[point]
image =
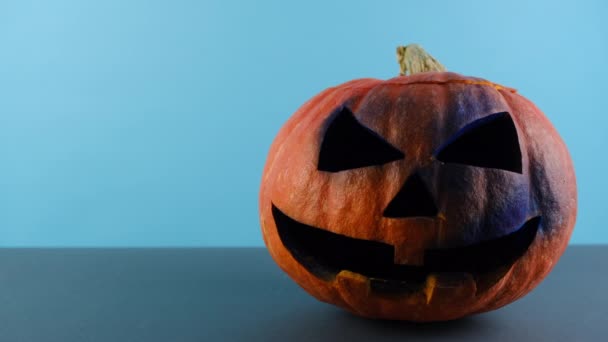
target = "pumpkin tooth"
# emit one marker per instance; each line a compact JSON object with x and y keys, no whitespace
{"x":429,"y":288}
{"x":348,"y":281}
{"x":352,"y":275}
{"x":446,"y":284}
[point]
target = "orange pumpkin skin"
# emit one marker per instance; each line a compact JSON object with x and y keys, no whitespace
{"x":417,"y":114}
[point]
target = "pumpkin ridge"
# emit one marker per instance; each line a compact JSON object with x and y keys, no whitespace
{"x":393,"y":82}
{"x":468,"y":82}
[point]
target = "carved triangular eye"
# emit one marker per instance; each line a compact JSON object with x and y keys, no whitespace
{"x":348,"y":145}
{"x":489,"y":142}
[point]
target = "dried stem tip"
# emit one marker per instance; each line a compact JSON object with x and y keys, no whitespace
{"x":413,"y":59}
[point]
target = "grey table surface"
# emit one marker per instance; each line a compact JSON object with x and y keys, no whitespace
{"x":239,"y":294}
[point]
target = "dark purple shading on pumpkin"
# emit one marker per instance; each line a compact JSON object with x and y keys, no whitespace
{"x":490,"y":142}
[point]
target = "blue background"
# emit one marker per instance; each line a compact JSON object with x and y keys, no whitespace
{"x":147,"y":123}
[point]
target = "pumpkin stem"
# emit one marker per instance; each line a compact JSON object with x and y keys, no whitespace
{"x":414,"y":59}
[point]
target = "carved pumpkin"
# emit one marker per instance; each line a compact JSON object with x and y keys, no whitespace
{"x":423,"y":197}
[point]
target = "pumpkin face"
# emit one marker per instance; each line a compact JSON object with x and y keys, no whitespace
{"x":425,"y":197}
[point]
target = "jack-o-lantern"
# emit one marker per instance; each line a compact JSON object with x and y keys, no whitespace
{"x":425,"y":197}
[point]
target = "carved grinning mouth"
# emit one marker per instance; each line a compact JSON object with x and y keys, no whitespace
{"x":325,"y":254}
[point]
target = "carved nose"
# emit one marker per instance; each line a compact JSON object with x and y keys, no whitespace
{"x":413,"y":200}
